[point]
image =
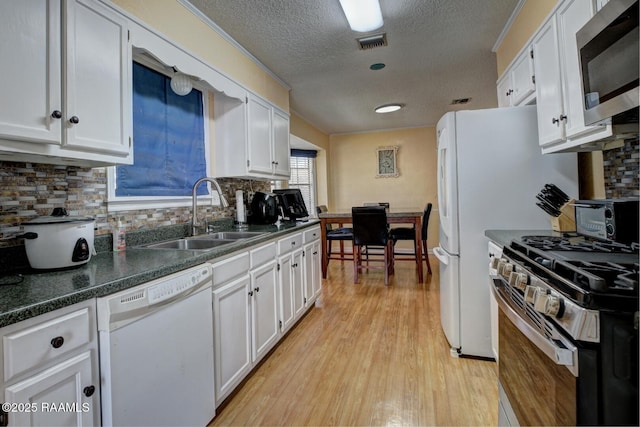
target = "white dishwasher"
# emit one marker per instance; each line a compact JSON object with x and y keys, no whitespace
{"x":156,"y":352}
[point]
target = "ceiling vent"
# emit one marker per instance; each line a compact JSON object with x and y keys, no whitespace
{"x":371,"y":42}
{"x":460,"y":101}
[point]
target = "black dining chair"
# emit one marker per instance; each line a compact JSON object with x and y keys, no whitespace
{"x":409,"y":233}
{"x":340,"y":234}
{"x":370,"y":229}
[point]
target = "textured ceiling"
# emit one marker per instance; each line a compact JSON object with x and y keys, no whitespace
{"x":438,"y":50}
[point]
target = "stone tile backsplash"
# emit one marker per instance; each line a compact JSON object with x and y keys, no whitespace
{"x":28,"y":190}
{"x":622,"y":170}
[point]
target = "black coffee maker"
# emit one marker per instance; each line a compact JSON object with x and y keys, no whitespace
{"x":264,"y":208}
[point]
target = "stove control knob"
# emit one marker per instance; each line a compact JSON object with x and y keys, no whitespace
{"x":505,"y":268}
{"x":518,"y":280}
{"x":530,"y":293}
{"x":540,"y":300}
{"x":554,"y":306}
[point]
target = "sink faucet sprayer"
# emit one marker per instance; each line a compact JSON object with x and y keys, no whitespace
{"x":194,"y":198}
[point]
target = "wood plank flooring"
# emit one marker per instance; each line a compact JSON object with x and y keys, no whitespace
{"x":367,"y":354}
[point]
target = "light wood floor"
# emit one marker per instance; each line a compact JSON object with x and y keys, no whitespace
{"x":368,"y":355}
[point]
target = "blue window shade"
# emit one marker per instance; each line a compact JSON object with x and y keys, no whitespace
{"x":168,"y":135}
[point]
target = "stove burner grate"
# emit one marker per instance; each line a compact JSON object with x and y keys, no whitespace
{"x":579,"y":244}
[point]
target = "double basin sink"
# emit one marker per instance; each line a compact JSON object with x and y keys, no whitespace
{"x":206,"y":241}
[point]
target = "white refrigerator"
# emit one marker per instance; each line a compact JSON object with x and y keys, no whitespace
{"x":490,"y":169}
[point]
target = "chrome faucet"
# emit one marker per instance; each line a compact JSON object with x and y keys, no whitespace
{"x":194,"y":199}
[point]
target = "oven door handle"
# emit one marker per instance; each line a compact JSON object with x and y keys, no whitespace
{"x":566,"y":355}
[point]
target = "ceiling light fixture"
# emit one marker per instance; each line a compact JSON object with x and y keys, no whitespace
{"x":388,"y":108}
{"x":377,"y":66}
{"x":363,"y":15}
{"x":181,"y":84}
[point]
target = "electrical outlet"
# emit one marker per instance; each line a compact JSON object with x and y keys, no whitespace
{"x":215,"y":198}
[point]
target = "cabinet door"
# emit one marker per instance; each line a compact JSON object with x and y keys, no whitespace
{"x":297,"y":279}
{"x":546,"y":60}
{"x":281,"y":150}
{"x":232,"y":335}
{"x":522,"y":78}
{"x":97,"y":112}
{"x":312,"y":275}
{"x":285,"y":276}
{"x":31,"y":71}
{"x":264,"y":310}
{"x":571,"y":17}
{"x":504,"y":90}
{"x":259,"y":133}
{"x":70,"y":383}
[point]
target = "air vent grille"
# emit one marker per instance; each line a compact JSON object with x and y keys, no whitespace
{"x":371,"y":42}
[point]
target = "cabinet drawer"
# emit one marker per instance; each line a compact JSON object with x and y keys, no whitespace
{"x":263,"y":255}
{"x":30,"y":347}
{"x":311,"y":234}
{"x":230,"y":269}
{"x":290,"y":243}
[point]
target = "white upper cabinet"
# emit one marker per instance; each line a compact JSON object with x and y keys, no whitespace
{"x":558,"y":93}
{"x":66,"y":70}
{"x":251,"y":138}
{"x":516,"y":86}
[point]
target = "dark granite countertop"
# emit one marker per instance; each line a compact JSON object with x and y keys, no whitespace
{"x":503,"y":237}
{"x":107,"y":272}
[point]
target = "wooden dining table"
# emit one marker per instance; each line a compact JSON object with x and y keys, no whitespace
{"x":394,"y":216}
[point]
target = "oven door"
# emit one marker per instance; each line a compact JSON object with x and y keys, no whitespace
{"x":538,"y":372}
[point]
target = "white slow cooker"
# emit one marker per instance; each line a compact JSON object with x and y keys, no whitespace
{"x":58,"y":240}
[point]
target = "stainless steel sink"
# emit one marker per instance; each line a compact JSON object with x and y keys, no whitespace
{"x":229,"y":235}
{"x":191,"y":244}
{"x":205,"y":241}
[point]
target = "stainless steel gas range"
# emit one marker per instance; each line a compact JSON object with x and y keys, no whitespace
{"x":568,"y":330}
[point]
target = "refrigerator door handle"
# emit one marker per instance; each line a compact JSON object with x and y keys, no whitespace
{"x":441,"y":255}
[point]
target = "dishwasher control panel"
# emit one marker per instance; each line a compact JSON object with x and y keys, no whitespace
{"x":167,"y":289}
{"x":121,"y":308}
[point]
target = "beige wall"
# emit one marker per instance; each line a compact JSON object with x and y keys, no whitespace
{"x":524,"y":26}
{"x":173,"y":20}
{"x":353,"y":171}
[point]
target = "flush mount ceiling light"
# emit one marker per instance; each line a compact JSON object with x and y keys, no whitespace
{"x":388,"y":108}
{"x":377,"y":66}
{"x":363,"y":15}
{"x":181,"y":84}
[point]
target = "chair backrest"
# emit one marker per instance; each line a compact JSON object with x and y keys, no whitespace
{"x":321,"y":209}
{"x":370,"y":225}
{"x":425,"y":220}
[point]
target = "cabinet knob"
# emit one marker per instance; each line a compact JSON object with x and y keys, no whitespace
{"x":89,"y":390}
{"x":57,"y":342}
{"x":563,"y":117}
{"x":57,"y":114}
{"x":555,"y":121}
{"x":257,"y":289}
{"x":75,"y":120}
{"x":250,"y":293}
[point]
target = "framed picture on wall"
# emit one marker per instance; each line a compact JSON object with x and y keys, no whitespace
{"x":387,"y":162}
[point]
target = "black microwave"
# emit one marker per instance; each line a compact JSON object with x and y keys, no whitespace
{"x":608,"y":50}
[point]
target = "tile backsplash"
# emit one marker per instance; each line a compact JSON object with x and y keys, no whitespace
{"x":28,"y":190}
{"x":622,"y":170}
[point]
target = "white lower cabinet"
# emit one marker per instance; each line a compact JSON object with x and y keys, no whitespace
{"x":50,"y":369}
{"x":258,"y":295}
{"x":312,"y":259}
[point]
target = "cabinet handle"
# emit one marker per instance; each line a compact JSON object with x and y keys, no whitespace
{"x":555,"y":121}
{"x":563,"y":117}
{"x":89,"y":390}
{"x":257,"y":289}
{"x":57,"y":342}
{"x":57,"y":114}
{"x":75,"y":120}
{"x":250,"y":293}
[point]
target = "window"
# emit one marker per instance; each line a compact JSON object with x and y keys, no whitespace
{"x":302,"y":166}
{"x":170,"y":149}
